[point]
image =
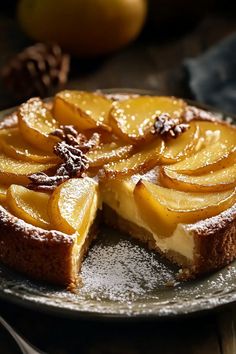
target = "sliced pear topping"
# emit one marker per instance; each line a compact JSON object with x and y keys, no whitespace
{"x":133,"y":119}
{"x":29,"y":206}
{"x":181,"y":147}
{"x":219,"y":180}
{"x":162,"y":208}
{"x":212,"y":132}
{"x":85,"y":110}
{"x":3,"y":192}
{"x":108,"y":153}
{"x":16,"y":147}
{"x":142,"y":161}
{"x":212,"y":157}
{"x":73,"y":205}
{"x":16,"y":171}
{"x":36,"y":123}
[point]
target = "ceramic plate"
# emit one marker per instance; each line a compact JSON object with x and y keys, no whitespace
{"x":122,"y":279}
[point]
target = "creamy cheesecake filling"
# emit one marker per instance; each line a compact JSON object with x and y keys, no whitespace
{"x":118,"y":195}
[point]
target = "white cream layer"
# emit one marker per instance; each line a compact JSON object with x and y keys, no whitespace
{"x":118,"y":195}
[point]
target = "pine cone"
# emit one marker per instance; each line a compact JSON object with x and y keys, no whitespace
{"x":37,"y":70}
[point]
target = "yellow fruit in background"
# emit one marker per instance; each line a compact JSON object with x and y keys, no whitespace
{"x":83,"y":27}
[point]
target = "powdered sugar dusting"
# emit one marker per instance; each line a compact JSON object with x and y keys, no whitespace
{"x":121,"y":270}
{"x":214,"y":223}
{"x":29,"y":231}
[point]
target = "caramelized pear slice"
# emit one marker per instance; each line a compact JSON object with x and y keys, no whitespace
{"x":73,"y":205}
{"x":142,"y":161}
{"x":162,"y":208}
{"x":16,"y":171}
{"x":28,"y":205}
{"x":3,"y":192}
{"x":36,"y":123}
{"x":218,"y":180}
{"x":133,"y":119}
{"x":212,"y":132}
{"x":16,"y":147}
{"x":182,"y":146}
{"x":212,"y":157}
{"x":108,"y":153}
{"x":85,"y":110}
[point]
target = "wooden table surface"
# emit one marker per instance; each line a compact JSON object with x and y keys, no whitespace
{"x":212,"y":333}
{"x":145,"y":64}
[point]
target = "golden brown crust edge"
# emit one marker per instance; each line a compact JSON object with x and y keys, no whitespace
{"x":215,"y":241}
{"x":40,"y":254}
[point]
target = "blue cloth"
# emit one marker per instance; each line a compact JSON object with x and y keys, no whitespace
{"x":212,"y":76}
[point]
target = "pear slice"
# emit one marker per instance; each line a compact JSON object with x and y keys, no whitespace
{"x":142,"y":161}
{"x":16,"y":147}
{"x":73,"y":205}
{"x":16,"y":171}
{"x":36,"y":123}
{"x":162,"y":208}
{"x":133,"y":119}
{"x":212,"y":157}
{"x":182,"y":146}
{"x":108,"y":153}
{"x":215,"y":181}
{"x":218,"y":131}
{"x":3,"y":192}
{"x":85,"y":110}
{"x":29,"y":206}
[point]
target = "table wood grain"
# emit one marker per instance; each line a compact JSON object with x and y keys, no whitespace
{"x":210,"y":333}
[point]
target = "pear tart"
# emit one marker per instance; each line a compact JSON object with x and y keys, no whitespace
{"x":154,"y":167}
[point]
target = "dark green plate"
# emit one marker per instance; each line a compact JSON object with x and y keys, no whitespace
{"x":122,"y":279}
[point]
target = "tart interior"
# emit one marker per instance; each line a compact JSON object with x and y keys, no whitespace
{"x":153,"y":167}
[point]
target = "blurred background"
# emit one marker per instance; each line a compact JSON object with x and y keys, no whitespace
{"x":178,"y":47}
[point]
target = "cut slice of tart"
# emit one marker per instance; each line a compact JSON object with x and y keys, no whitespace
{"x":31,"y":244}
{"x":47,"y":255}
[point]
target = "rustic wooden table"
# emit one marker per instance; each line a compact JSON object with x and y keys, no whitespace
{"x":212,"y":333}
{"x":149,"y":65}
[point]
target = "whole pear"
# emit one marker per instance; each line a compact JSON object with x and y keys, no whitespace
{"x":83,"y":27}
